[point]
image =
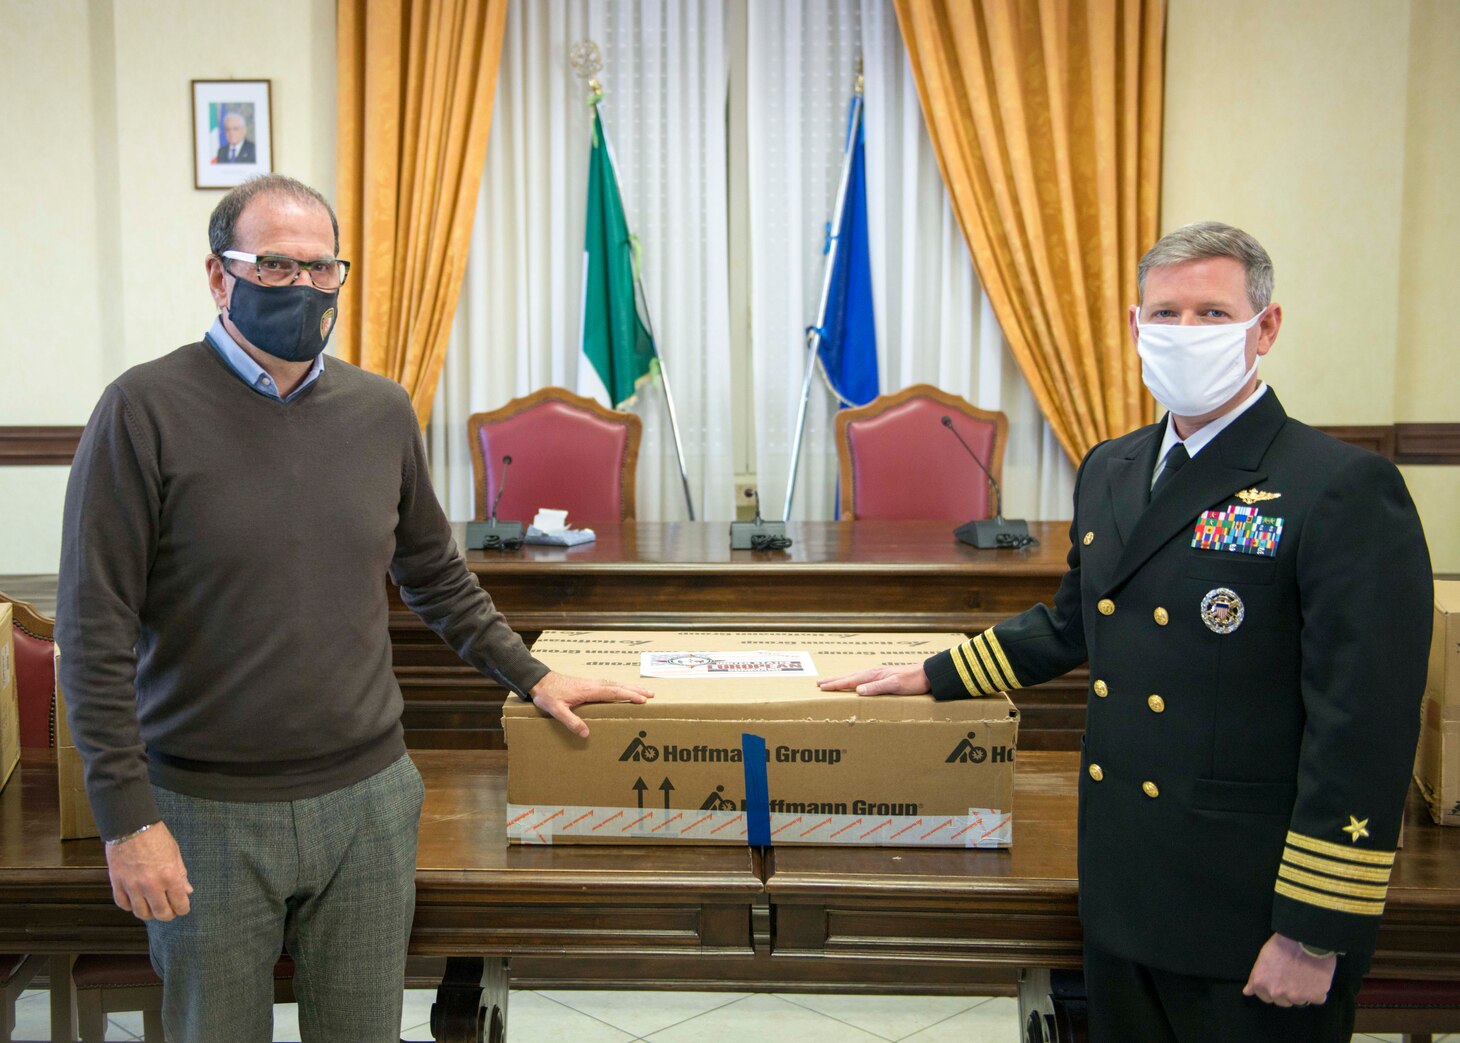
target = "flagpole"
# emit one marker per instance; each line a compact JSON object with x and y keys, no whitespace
{"x":587,"y":60}
{"x":689,"y":503}
{"x":813,"y":335}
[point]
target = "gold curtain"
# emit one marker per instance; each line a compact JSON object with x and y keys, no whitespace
{"x":1046,"y":119}
{"x":416,"y":83}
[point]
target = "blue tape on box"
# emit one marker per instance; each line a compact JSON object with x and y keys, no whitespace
{"x":757,"y":791}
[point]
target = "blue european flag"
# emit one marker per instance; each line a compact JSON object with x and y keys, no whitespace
{"x":848,"y":348}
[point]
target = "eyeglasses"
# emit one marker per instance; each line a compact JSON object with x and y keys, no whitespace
{"x":277,"y":270}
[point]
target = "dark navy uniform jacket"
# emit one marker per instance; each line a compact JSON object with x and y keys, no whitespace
{"x":1235,"y":781}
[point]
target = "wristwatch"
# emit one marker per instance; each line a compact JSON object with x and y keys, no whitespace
{"x":1316,"y":953}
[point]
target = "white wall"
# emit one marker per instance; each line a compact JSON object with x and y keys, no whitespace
{"x":1327,"y":128}
{"x":97,"y":194}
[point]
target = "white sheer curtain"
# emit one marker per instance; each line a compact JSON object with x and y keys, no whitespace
{"x":517,"y":327}
{"x":933,"y":323}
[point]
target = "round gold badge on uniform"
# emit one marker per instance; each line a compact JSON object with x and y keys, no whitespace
{"x":1222,"y":610}
{"x":326,"y":323}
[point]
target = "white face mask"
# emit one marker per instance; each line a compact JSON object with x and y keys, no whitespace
{"x":1191,"y":370}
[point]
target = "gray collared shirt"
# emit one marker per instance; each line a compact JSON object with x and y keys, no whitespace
{"x":249,"y":371}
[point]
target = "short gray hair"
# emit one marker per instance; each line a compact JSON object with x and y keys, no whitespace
{"x":223,"y":225}
{"x":1204,"y":239}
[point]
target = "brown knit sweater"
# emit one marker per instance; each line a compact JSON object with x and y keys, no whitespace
{"x":222,"y":610}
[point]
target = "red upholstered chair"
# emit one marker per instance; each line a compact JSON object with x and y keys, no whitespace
{"x":33,"y":635}
{"x":35,"y":673}
{"x":899,"y":463}
{"x":113,"y":984}
{"x":568,"y":452}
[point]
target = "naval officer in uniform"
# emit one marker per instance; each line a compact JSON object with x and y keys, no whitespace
{"x":1253,"y":598}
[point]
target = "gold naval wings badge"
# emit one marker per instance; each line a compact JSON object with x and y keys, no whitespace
{"x":1251,"y":496}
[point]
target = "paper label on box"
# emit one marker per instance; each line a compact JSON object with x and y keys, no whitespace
{"x":980,"y":828}
{"x":726,"y":664}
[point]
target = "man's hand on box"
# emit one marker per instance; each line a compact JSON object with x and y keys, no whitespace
{"x":149,"y":879}
{"x":883,"y":680}
{"x":558,"y":694}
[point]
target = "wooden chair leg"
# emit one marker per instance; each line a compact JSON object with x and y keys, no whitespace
{"x":152,"y":1027}
{"x":90,"y":1016}
{"x":63,"y":1004}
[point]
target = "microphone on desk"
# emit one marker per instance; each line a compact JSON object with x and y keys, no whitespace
{"x":493,"y":534}
{"x":758,"y":534}
{"x":501,"y":488}
{"x":997,"y":531}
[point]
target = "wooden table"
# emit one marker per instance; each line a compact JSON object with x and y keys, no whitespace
{"x":847,"y":576}
{"x":836,"y":919}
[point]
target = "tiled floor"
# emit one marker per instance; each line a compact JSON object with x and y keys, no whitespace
{"x":685,"y":1017}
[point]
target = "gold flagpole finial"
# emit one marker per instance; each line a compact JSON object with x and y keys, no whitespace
{"x":587,"y":61}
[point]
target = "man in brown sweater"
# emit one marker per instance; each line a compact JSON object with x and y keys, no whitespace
{"x":231,"y":512}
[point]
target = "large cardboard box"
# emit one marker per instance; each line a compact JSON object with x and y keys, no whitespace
{"x":77,"y":822}
{"x":1443,"y":681}
{"x":734,"y":759}
{"x":9,"y":698}
{"x":1437,"y":768}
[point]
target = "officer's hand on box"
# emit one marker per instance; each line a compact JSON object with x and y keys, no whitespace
{"x":882,"y":680}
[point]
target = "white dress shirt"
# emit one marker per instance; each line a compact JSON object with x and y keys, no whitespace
{"x":1202,"y":436}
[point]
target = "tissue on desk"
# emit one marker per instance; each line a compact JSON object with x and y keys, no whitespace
{"x":550,"y":527}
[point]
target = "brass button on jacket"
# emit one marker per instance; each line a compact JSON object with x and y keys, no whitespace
{"x":1150,"y":789}
{"x":1089,"y":538}
{"x":1106,"y":606}
{"x":1102,"y":689}
{"x":1157,"y":704}
{"x":1096,"y":773}
{"x":1162,"y":616}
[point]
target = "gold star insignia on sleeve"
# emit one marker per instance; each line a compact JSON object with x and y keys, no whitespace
{"x":1356,"y":828}
{"x":1251,"y":496}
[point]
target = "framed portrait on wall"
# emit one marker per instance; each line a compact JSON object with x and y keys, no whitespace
{"x":232,"y":132}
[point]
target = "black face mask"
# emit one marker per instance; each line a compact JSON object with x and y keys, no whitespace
{"x":292,"y":323}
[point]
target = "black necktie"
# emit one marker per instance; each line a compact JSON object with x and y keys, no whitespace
{"x":1176,"y":458}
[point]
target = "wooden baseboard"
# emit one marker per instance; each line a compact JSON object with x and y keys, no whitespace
{"x":38,"y":446}
{"x":1437,"y":443}
{"x":1403,"y":443}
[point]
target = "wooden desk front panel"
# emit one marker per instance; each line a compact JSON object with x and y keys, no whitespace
{"x":872,"y":919}
{"x":867,"y":576}
{"x":1019,"y":907}
{"x":474,"y":893}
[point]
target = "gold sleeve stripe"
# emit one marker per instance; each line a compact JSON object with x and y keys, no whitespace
{"x":989,"y":664}
{"x":956,"y":654}
{"x":993,"y":642}
{"x":1332,"y":868}
{"x":1340,"y":851}
{"x":1338,"y":887}
{"x":984,"y":685}
{"x":1342,"y":905}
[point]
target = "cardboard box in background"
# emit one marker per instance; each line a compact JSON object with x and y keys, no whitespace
{"x":837,"y":768}
{"x":77,"y":821}
{"x":9,"y":698}
{"x":1442,"y":683}
{"x":1437,"y":769}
